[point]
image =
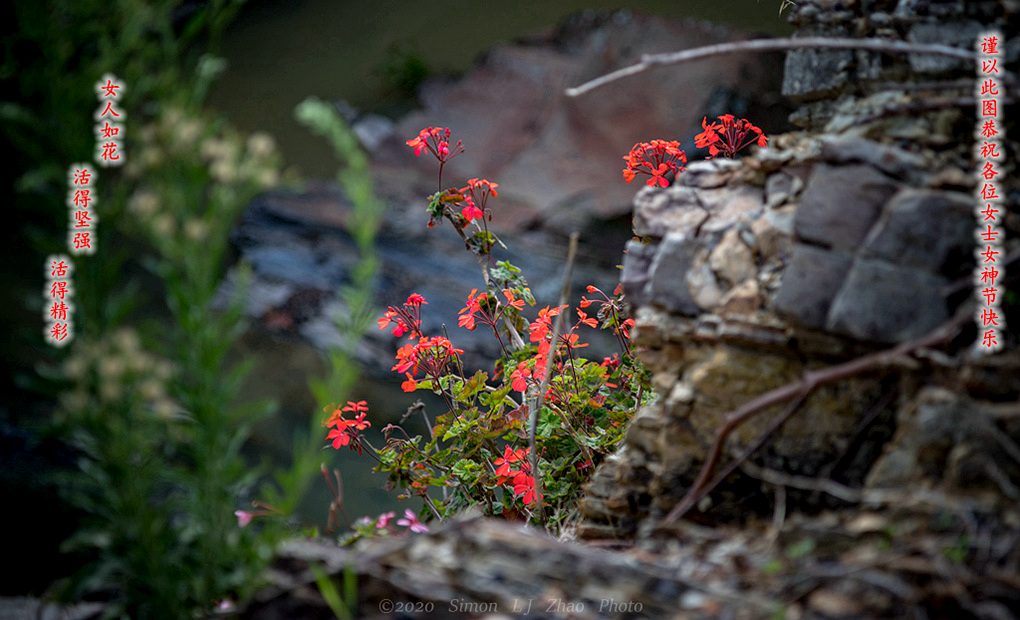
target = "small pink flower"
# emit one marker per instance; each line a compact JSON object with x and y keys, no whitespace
{"x":411,"y":522}
{"x":243,"y":517}
{"x":384,"y":519}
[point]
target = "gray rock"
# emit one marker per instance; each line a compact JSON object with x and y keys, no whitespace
{"x":814,"y":74}
{"x":945,"y":439}
{"x":773,"y":232}
{"x":955,"y":33}
{"x":888,"y":159}
{"x":709,"y":173}
{"x":781,"y":187}
{"x":297,"y":265}
{"x":887,"y":303}
{"x":730,"y":205}
{"x":660,"y":211}
{"x":732,"y":260}
{"x":927,"y":229}
{"x":704,"y":287}
{"x":667,"y":285}
{"x":637,"y":264}
{"x":743,"y":298}
{"x":840,"y":204}
{"x":25,"y":608}
{"x":810,"y":283}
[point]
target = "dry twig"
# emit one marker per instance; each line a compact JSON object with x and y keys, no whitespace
{"x":800,"y":389}
{"x":540,"y":398}
{"x":649,"y":61}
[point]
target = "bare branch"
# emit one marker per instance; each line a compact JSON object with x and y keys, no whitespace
{"x":649,"y":61}
{"x":801,"y":388}
{"x":540,"y":397}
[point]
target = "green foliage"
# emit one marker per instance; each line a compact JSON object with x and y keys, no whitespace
{"x":800,"y":548}
{"x":362,"y":223}
{"x":477,"y":451}
{"x":152,"y":408}
{"x":162,"y":471}
{"x":343,"y":606}
{"x":404,"y":70}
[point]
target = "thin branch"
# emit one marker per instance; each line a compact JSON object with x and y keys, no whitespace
{"x":704,"y":487}
{"x":516,"y":337}
{"x":927,"y":106}
{"x":800,"y":389}
{"x":649,"y":61}
{"x":540,"y":398}
{"x":886,"y":496}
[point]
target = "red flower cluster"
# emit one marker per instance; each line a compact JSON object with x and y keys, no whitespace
{"x":429,"y":354}
{"x":471,"y":198}
{"x":345,"y":431}
{"x":488,"y":310}
{"x":728,"y":136}
{"x":405,"y":319}
{"x":541,"y":326}
{"x":476,"y":194}
{"x":436,"y":140}
{"x":522,"y":480}
{"x":656,"y":159}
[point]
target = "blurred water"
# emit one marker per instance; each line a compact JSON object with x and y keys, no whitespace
{"x":281,"y":52}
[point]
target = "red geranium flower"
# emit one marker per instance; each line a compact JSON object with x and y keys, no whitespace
{"x":728,"y":136}
{"x":656,"y":159}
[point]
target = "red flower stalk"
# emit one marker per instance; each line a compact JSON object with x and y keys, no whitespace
{"x":656,"y":159}
{"x":406,"y":319}
{"x":474,"y":305}
{"x":481,"y":308}
{"x":346,"y":431}
{"x":729,"y":136}
{"x":431,"y":355}
{"x":435,"y":140}
{"x":476,"y":194}
{"x":514,"y":467}
{"x":541,"y":326}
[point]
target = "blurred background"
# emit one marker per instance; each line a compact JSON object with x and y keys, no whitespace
{"x":224,"y":305}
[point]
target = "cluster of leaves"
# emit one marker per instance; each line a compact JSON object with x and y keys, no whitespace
{"x":162,"y":472}
{"x":148,"y":398}
{"x":477,"y":451}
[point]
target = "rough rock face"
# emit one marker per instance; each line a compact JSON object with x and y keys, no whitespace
{"x":473,"y":568}
{"x":824,"y":81}
{"x":818,"y":249}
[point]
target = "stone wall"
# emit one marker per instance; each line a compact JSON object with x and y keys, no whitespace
{"x":832,"y":243}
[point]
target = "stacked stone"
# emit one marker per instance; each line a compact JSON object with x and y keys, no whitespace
{"x":830,"y":84}
{"x":827,"y":245}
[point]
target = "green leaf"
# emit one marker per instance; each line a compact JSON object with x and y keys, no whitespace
{"x":330,"y":593}
{"x":481,"y":242}
{"x":475,"y":384}
{"x":800,"y":548}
